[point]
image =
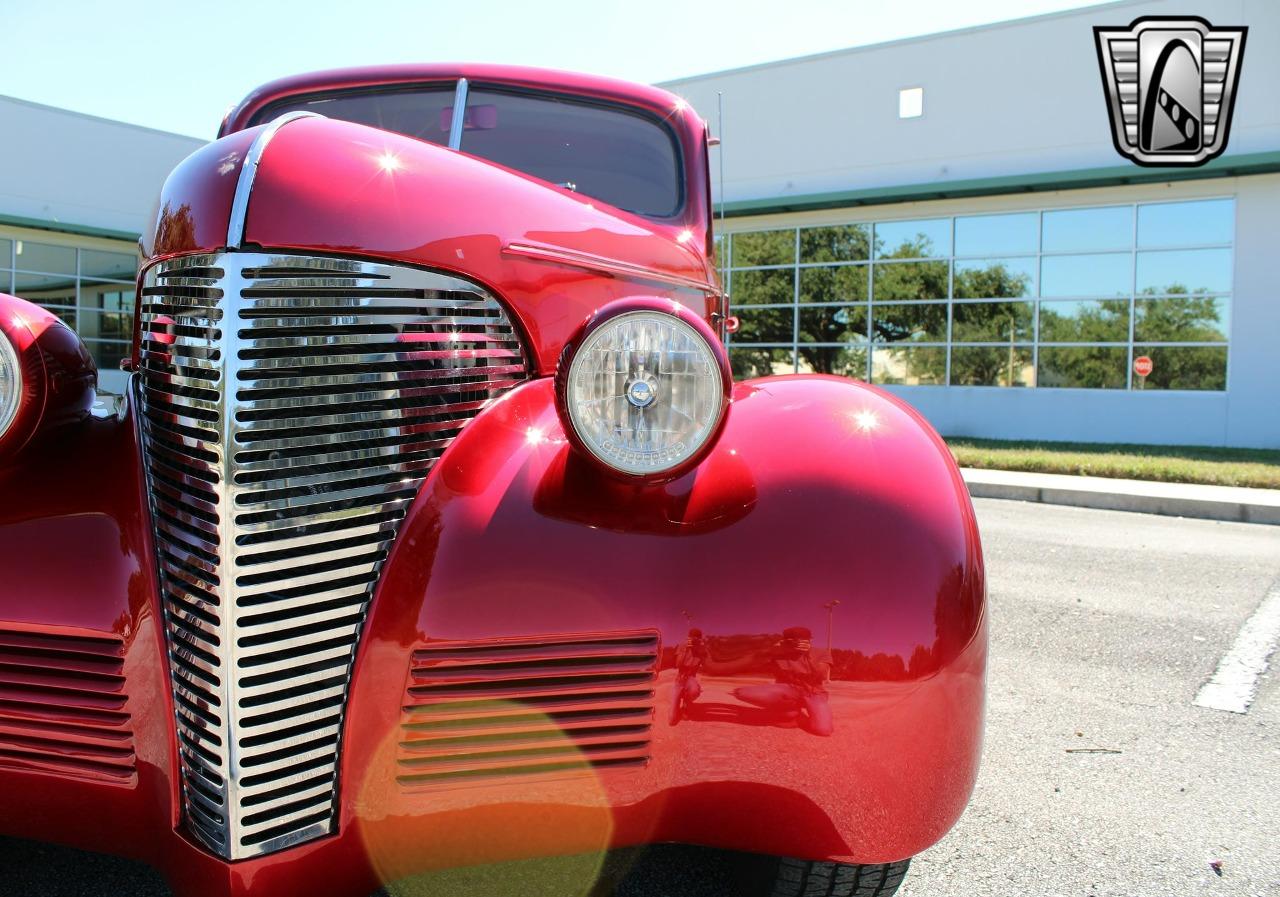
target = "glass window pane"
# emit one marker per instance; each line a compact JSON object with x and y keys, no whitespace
{"x":762,"y":287}
{"x":1184,"y":271}
{"x":844,"y":361}
{"x":997,"y":234}
{"x":613,"y":153}
{"x":765,"y":325}
{"x":1183,"y":367}
{"x":6,"y":253}
{"x":1195,"y":319}
{"x":1086,"y":275}
{"x":992,"y":366}
{"x":46,"y":289}
{"x":748,"y":362}
{"x":992,"y":322}
{"x":917,"y":322}
{"x":910,"y":280}
{"x":107,"y":325}
{"x":842,"y":243}
{"x":1105,"y":321}
{"x":995,"y":278}
{"x":422,"y":113}
{"x":106,"y":296}
{"x":833,"y":324}
{"x":116,"y":265}
{"x":767,"y":247}
{"x":1073,"y":230}
{"x":909,"y":365}
{"x":107,"y":355}
{"x":1186,"y":223}
{"x":45,"y":258}
{"x":847,"y":283}
{"x":1083,"y":367}
{"x":912,"y":239}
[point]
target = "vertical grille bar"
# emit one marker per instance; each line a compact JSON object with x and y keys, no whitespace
{"x":292,"y":407}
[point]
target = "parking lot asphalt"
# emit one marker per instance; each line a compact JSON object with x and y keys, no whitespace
{"x":1104,"y":627}
{"x":1100,"y":776}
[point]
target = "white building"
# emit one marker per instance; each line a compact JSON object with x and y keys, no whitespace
{"x":946,"y":216}
{"x":993,"y":259}
{"x":75,"y":193}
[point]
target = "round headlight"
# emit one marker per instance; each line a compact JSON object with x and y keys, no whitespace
{"x":10,"y":384}
{"x":645,"y":389}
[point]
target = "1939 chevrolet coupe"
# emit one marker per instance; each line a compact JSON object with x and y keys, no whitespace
{"x":434,"y":532}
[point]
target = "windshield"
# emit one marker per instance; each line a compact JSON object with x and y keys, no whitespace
{"x":619,"y":156}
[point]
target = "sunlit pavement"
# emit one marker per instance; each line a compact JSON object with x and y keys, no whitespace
{"x":1100,"y":776}
{"x":1105,"y":625}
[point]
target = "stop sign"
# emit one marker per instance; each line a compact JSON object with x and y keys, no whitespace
{"x":1143,"y":366}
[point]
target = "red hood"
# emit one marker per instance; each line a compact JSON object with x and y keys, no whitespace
{"x":343,"y":187}
{"x":332,"y":186}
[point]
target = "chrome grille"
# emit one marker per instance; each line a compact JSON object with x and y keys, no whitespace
{"x":523,"y":707}
{"x":291,"y":408}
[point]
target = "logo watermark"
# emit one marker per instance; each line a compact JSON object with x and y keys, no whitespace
{"x":1170,"y":86}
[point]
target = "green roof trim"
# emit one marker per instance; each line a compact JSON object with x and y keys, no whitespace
{"x":1119,"y":175}
{"x":62,"y":227}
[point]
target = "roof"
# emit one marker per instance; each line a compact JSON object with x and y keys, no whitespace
{"x":916,"y":39}
{"x":655,"y":98}
{"x":1238,"y":165}
{"x":100,"y":119}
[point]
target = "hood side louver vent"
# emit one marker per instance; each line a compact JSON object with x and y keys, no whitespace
{"x":520,"y":707}
{"x":63,"y":705}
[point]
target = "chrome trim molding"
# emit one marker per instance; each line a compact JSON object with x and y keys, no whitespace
{"x":249,"y":171}
{"x":290,"y":407}
{"x":458,"y":122}
{"x":12,"y":403}
{"x":604,"y":265}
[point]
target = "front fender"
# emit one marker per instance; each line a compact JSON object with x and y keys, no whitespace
{"x":826,"y":504}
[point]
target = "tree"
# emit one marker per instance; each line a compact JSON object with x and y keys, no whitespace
{"x":1188,"y":318}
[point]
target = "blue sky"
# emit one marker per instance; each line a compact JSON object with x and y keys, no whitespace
{"x":178,"y":65}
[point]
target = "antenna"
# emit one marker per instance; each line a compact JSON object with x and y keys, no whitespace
{"x":730,"y":322}
{"x":720,"y":141}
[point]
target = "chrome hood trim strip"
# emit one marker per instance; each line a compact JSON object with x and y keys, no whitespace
{"x":249,"y":171}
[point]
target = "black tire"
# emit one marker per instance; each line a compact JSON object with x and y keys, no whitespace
{"x":801,"y":878}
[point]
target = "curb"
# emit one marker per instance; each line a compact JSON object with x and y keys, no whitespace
{"x":1168,"y":499}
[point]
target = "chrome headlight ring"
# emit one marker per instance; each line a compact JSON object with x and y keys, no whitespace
{"x":643,"y":388}
{"x":10,"y":384}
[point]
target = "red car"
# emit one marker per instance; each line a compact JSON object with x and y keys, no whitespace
{"x":434,"y":531}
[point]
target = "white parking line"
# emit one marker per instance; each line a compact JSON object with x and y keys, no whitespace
{"x":1235,"y":683}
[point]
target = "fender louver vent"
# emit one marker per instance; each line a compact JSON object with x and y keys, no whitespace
{"x":524,"y":707}
{"x":63,"y":705}
{"x":292,"y":407}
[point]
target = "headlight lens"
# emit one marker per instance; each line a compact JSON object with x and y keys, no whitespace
{"x":10,"y":384}
{"x":644,"y":392}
